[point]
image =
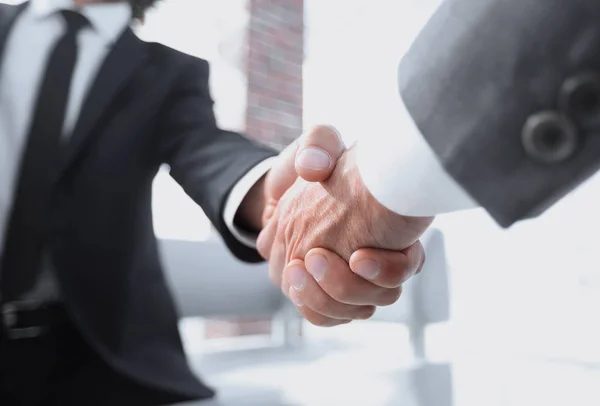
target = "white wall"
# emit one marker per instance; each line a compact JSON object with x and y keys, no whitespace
{"x":353,"y":48}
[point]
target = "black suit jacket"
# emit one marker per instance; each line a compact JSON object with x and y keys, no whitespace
{"x":507,"y":93}
{"x":149,"y":105}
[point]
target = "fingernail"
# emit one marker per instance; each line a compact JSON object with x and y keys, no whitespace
{"x":313,"y":158}
{"x":297,"y":277}
{"x":317,"y":266}
{"x":368,"y":269}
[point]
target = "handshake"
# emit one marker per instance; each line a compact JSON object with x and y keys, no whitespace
{"x":333,"y":249}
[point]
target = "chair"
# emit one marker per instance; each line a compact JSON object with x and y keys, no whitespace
{"x":425,"y":301}
{"x":208,"y":282}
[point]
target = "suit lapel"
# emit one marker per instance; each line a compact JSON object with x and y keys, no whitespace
{"x":121,"y":62}
{"x":8,"y":15}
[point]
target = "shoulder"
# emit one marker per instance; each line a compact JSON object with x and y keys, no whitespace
{"x":174,"y":59}
{"x":7,"y":9}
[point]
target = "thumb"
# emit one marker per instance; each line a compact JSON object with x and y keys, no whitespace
{"x":312,"y":156}
{"x":318,"y":152}
{"x":282,"y":174}
{"x":279,"y":179}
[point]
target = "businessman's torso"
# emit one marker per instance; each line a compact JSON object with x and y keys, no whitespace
{"x":101,"y":236}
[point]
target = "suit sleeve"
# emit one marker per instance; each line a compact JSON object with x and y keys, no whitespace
{"x":402,"y":172}
{"x":205,"y":160}
{"x":507,"y":95}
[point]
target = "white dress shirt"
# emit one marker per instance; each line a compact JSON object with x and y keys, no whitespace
{"x":403,"y":173}
{"x":26,"y":52}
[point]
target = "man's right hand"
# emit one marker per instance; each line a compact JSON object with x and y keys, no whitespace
{"x":338,"y":214}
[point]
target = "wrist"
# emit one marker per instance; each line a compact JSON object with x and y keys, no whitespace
{"x":250,"y":213}
{"x":390,"y":229}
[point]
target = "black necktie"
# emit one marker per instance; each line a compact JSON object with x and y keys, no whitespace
{"x":27,"y":226}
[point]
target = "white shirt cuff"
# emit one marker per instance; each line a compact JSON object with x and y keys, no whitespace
{"x":403,"y":173}
{"x":236,"y":197}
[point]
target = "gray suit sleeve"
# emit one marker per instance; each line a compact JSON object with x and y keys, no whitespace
{"x":507,"y":93}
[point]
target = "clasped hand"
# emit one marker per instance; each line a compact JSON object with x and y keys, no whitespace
{"x":333,"y":249}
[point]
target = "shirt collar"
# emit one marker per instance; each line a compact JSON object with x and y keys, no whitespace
{"x":108,"y":19}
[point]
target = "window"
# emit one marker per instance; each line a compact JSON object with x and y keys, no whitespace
{"x":195,"y":27}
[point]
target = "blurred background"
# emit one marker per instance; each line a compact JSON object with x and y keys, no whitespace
{"x":498,"y":317}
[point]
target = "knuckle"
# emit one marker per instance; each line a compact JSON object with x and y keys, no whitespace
{"x":320,"y":303}
{"x":263,"y":249}
{"x":290,"y":233}
{"x":319,"y":320}
{"x":398,"y":278}
{"x":341,"y":292}
{"x":321,"y":130}
{"x":414,"y":260}
{"x":403,"y":262}
{"x":366,"y":313}
{"x":326,"y":137}
{"x":397,"y":275}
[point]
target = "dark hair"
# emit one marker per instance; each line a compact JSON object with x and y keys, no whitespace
{"x":141,"y":6}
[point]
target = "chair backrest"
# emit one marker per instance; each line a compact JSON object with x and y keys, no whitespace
{"x":425,"y":298}
{"x":207,"y":281}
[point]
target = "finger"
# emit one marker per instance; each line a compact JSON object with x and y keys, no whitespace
{"x":312,"y":316}
{"x":309,"y":293}
{"x":268,"y":212}
{"x":283,"y":173}
{"x":274,"y":251}
{"x":388,"y":269}
{"x":276,"y":267}
{"x":416,"y":253}
{"x":318,"y":152}
{"x":337,"y":280}
{"x":266,"y":238}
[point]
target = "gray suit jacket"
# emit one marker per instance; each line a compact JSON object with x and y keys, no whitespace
{"x":507,"y":92}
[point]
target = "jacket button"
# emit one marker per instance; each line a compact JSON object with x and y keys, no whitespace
{"x":549,"y":137}
{"x":580,"y":100}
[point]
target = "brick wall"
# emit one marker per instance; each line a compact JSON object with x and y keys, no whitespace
{"x":274,"y":63}
{"x":275,"y":53}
